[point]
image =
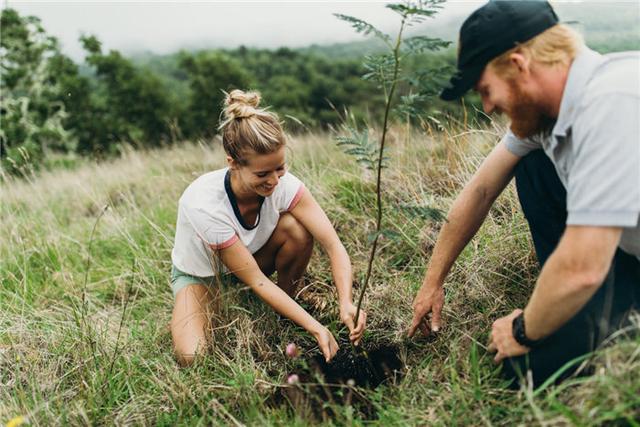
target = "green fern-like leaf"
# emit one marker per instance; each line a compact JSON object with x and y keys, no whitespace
{"x":429,"y":81}
{"x":379,"y":68}
{"x":363,"y":27}
{"x":414,"y":12}
{"x":358,"y":145}
{"x":410,"y":105}
{"x":421,"y":44}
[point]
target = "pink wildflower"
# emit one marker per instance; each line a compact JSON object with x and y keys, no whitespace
{"x":292,"y":350}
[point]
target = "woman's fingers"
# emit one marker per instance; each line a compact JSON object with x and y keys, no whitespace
{"x":362,"y":321}
{"x":334,"y":345}
{"x":356,"y":334}
{"x":326,"y":351}
{"x":329,"y":346}
{"x":348,"y":320}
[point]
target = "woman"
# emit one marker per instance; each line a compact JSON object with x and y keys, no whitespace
{"x":256,"y":218}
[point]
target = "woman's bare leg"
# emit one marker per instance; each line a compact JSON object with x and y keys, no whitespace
{"x":191,"y":321}
{"x":287,"y":251}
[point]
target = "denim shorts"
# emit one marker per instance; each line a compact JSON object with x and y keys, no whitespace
{"x":180,"y":279}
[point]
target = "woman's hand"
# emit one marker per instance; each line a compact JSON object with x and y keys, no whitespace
{"x":348,"y":317}
{"x":327,"y":342}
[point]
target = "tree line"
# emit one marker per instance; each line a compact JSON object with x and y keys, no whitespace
{"x":49,"y":104}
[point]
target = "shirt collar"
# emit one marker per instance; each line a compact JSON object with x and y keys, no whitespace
{"x":580,"y":72}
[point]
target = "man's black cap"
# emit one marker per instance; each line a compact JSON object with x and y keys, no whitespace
{"x":492,"y":30}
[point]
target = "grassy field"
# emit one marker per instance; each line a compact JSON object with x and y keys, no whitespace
{"x":85,"y":301}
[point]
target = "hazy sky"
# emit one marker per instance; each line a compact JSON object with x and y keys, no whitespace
{"x":164,"y":27}
{"x":167,"y":26}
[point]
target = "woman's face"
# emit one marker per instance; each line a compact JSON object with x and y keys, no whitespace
{"x":261,"y":173}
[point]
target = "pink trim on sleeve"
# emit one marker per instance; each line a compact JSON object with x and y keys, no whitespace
{"x":224,"y":245}
{"x":296,"y":198}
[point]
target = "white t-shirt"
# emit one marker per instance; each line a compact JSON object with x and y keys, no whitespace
{"x":207,"y":220}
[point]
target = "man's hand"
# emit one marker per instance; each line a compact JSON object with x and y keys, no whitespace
{"x":430,"y":299}
{"x":348,"y":316}
{"x":326,"y":342}
{"x":501,"y":340}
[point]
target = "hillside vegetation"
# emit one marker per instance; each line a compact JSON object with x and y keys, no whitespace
{"x":94,"y":158}
{"x":55,"y":110}
{"x":85,"y":300}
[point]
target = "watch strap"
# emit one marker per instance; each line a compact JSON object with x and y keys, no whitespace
{"x":520,"y":334}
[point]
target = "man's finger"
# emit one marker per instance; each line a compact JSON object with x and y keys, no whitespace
{"x":499,"y":357}
{"x":436,"y":320}
{"x":490,"y":345}
{"x":414,"y":325}
{"x":424,"y":327}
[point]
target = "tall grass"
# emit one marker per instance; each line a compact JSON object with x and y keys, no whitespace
{"x":117,"y":367}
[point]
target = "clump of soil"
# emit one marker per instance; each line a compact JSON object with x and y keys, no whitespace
{"x":341,"y":381}
{"x":366,"y":368}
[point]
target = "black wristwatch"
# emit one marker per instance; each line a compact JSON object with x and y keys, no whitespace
{"x":519,"y":332}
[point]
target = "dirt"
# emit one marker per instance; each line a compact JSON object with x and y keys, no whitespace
{"x":341,"y":382}
{"x":366,"y":368}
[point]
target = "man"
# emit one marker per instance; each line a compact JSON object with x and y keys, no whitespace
{"x":574,"y":149}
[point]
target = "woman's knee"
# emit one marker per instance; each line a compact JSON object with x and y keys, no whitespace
{"x":295,"y":231}
{"x":188,"y":343}
{"x":186,"y":355}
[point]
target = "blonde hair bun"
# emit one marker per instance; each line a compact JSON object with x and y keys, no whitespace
{"x":248,"y":128}
{"x":239,"y":104}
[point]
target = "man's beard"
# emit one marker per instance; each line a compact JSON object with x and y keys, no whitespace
{"x":526,"y":117}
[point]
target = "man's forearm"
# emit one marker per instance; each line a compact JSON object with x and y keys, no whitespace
{"x":463,"y":221}
{"x":559,"y":294}
{"x":570,"y":277}
{"x":469,"y":211}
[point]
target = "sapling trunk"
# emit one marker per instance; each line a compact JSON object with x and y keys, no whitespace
{"x":385,"y":69}
{"x":389,"y":98}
